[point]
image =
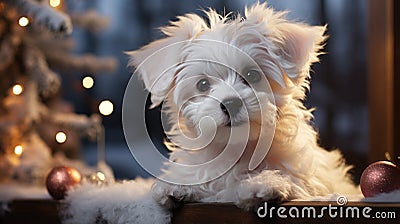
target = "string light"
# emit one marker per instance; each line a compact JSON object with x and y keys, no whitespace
{"x":106,"y":107}
{"x":98,"y":178}
{"x":61,"y":137}
{"x":55,"y":3}
{"x":88,"y":82}
{"x":18,"y":150}
{"x":101,"y":176}
{"x":23,"y":21}
{"x":17,"y":89}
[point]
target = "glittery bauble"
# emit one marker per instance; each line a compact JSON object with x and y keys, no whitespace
{"x":60,"y":180}
{"x":380,"y":177}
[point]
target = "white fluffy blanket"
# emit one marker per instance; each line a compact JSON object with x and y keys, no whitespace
{"x":123,"y":202}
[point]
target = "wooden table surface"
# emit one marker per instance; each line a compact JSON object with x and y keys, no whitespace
{"x":46,"y":211}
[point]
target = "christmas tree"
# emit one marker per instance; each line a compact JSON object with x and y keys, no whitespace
{"x":35,"y":42}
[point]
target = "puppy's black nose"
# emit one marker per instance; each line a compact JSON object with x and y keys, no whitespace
{"x":231,"y":106}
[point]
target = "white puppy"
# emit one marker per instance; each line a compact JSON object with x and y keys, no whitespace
{"x":233,"y":91}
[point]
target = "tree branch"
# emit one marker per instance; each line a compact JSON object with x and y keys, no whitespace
{"x":42,"y":14}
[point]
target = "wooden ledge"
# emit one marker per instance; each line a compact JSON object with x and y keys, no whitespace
{"x":46,"y":211}
{"x":229,"y":213}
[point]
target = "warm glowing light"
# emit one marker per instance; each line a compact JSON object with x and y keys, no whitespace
{"x":76,"y":176}
{"x":17,"y":89}
{"x":88,"y":82}
{"x":61,"y":137}
{"x":55,"y":3}
{"x":23,"y":21}
{"x":106,"y":107}
{"x":101,"y":176}
{"x":388,"y":157}
{"x":18,"y":150}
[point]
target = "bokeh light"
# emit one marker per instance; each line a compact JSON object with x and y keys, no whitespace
{"x":17,"y":89}
{"x":23,"y":21}
{"x":88,"y":82}
{"x":61,"y":137}
{"x":55,"y":3}
{"x":18,"y":150}
{"x":106,"y":107}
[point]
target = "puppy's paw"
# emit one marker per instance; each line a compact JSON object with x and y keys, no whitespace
{"x":250,"y":199}
{"x":169,"y":195}
{"x":256,"y":190}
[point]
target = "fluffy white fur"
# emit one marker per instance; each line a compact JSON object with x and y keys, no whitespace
{"x":124,"y":202}
{"x":296,"y":166}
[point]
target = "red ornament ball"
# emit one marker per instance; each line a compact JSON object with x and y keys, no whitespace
{"x":380,"y":177}
{"x":60,"y":180}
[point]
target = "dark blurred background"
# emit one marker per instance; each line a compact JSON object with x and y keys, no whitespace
{"x":338,"y":87}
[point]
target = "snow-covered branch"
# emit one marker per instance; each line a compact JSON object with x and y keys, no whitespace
{"x":34,"y":108}
{"x":84,"y":125}
{"x":46,"y":42}
{"x":84,"y":63}
{"x":41,"y":13}
{"x":48,"y":81}
{"x":90,"y":20}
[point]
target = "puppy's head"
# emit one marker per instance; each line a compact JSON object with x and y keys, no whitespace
{"x":230,"y":69}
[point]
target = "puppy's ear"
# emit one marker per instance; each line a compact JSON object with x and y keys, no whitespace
{"x":156,"y":62}
{"x":296,"y":45}
{"x":299,"y":46}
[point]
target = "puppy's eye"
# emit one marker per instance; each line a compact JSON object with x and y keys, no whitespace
{"x":252,"y":76}
{"x":203,"y":85}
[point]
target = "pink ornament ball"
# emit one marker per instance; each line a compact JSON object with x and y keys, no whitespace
{"x":380,"y":177}
{"x":60,"y":180}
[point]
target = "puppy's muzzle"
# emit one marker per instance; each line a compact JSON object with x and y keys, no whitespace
{"x":231,"y":107}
